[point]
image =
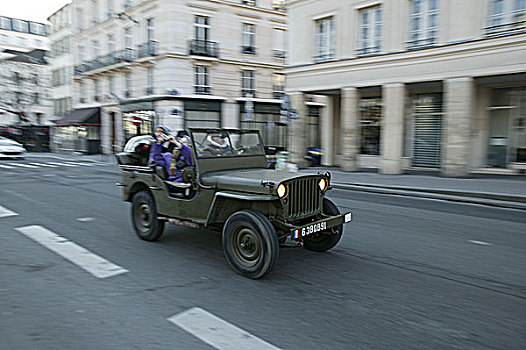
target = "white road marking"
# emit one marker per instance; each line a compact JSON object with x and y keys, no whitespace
{"x":4,"y":212}
{"x":83,"y":258}
{"x":6,"y":166}
{"x":85,"y":164}
{"x":85,"y":219}
{"x":44,"y":164}
{"x":61,"y":164}
{"x":217,"y":332}
{"x":22,"y":165}
{"x":479,"y":242}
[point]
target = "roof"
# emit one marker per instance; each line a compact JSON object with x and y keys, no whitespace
{"x":82,"y":116}
{"x":35,"y":57}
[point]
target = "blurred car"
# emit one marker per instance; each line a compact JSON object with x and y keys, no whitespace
{"x":11,"y":149}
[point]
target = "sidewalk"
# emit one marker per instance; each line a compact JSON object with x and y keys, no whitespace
{"x":503,"y":190}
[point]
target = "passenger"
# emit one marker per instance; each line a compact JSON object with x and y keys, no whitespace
{"x":182,"y":136}
{"x":218,"y":145}
{"x":174,"y":162}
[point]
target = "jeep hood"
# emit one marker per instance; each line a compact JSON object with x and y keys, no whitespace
{"x":253,"y":181}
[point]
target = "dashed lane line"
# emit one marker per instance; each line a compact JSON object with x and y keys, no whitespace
{"x":4,"y":212}
{"x":22,"y":165}
{"x":216,"y":332}
{"x":84,"y":164}
{"x":479,"y":242}
{"x":78,"y":255}
{"x":45,"y":164}
{"x":6,"y":166}
{"x":62,"y":164}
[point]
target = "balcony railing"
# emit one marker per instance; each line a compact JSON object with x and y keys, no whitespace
{"x":251,"y":50}
{"x":507,"y":28}
{"x":202,"y":90}
{"x":279,"y":53}
{"x":203,"y":48}
{"x":125,"y":55}
{"x":421,"y":43}
{"x":369,"y":50}
{"x":147,"y":49}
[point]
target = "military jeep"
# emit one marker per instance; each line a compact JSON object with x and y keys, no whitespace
{"x":230,"y":188}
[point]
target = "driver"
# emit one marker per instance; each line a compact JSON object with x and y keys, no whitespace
{"x":173,"y":161}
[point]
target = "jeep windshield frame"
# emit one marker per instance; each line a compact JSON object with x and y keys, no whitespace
{"x":243,"y":149}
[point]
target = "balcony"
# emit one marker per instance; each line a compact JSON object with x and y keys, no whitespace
{"x":517,"y":25}
{"x":250,"y":50}
{"x":202,"y":90}
{"x":204,"y":48}
{"x":125,"y":55}
{"x":421,"y":43}
{"x":367,"y":51}
{"x":279,"y":53}
{"x":147,"y":49}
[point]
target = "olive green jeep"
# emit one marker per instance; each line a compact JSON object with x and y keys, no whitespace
{"x":231,"y":189}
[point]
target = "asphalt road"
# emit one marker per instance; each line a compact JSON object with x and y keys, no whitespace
{"x":408,"y":274}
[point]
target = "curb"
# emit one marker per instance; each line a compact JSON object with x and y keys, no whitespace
{"x":481,"y":198}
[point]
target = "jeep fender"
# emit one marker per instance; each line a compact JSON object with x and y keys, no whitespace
{"x":243,"y":201}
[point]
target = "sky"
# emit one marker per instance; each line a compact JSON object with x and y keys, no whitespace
{"x":33,"y":10}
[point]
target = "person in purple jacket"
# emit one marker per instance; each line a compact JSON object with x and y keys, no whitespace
{"x":174,"y":161}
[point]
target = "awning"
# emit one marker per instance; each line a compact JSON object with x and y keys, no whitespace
{"x":82,"y":116}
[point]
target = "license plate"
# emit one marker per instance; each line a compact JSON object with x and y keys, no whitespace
{"x":320,"y":226}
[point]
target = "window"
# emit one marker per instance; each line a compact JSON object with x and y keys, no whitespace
{"x":20,"y":26}
{"x":424,"y":23}
{"x":96,"y":90}
{"x":111,"y":42}
{"x":149,"y":81}
{"x":5,"y":23}
{"x":37,"y":28}
{"x":324,"y":39}
{"x":370,"y":125}
{"x":248,"y":83}
{"x":94,"y":11}
{"x":128,"y":51}
{"x":370,"y":40}
{"x":249,"y":2}
{"x":506,"y":16}
{"x":279,"y":5}
{"x":110,"y":8}
{"x":36,"y":98}
{"x":34,"y":78}
{"x":96,"y":48}
{"x":278,"y":83}
{"x":127,"y":84}
{"x":249,"y":39}
{"x":202,"y":85}
{"x":202,"y":28}
{"x":279,"y":43}
{"x":149,"y":30}
{"x":111,"y":84}
{"x":82,"y":94}
{"x":80,"y":19}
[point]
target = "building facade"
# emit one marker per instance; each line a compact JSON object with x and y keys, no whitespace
{"x":25,"y":95}
{"x":199,"y":63}
{"x":411,"y":84}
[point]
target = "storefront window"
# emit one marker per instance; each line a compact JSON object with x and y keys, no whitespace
{"x":370,"y":124}
{"x":137,"y":123}
{"x":202,"y":114}
{"x":313,"y":127}
{"x":267,"y":119}
{"x":427,"y":130}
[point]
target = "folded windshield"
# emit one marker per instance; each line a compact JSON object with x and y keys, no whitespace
{"x":227,"y":143}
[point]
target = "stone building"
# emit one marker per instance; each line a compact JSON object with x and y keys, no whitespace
{"x":411,"y":84}
{"x":25,"y":95}
{"x":197,"y":63}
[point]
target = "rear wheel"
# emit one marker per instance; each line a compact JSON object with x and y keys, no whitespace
{"x":144,"y":217}
{"x":250,"y":243}
{"x":328,"y":239}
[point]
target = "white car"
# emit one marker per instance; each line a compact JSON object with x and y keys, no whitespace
{"x":11,"y":149}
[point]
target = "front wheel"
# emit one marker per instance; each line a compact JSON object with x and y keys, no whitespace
{"x":250,"y":243}
{"x":328,"y":239}
{"x":144,"y":217}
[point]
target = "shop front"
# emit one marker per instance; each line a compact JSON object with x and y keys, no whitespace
{"x":507,"y":127}
{"x":79,"y":131}
{"x":202,"y":114}
{"x":266,"y":118}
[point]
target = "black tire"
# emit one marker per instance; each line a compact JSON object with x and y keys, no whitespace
{"x":144,"y":217}
{"x":328,"y":239}
{"x":250,"y":243}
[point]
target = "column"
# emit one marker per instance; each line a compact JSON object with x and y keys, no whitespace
{"x":297,"y":130}
{"x":392,"y":133}
{"x":327,"y":131}
{"x":349,"y":119}
{"x":459,"y":109}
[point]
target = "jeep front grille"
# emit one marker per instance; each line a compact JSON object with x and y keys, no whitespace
{"x":304,"y":198}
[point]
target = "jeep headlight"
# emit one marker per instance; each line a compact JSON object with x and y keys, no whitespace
{"x":282,"y":191}
{"x":324,"y":184}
